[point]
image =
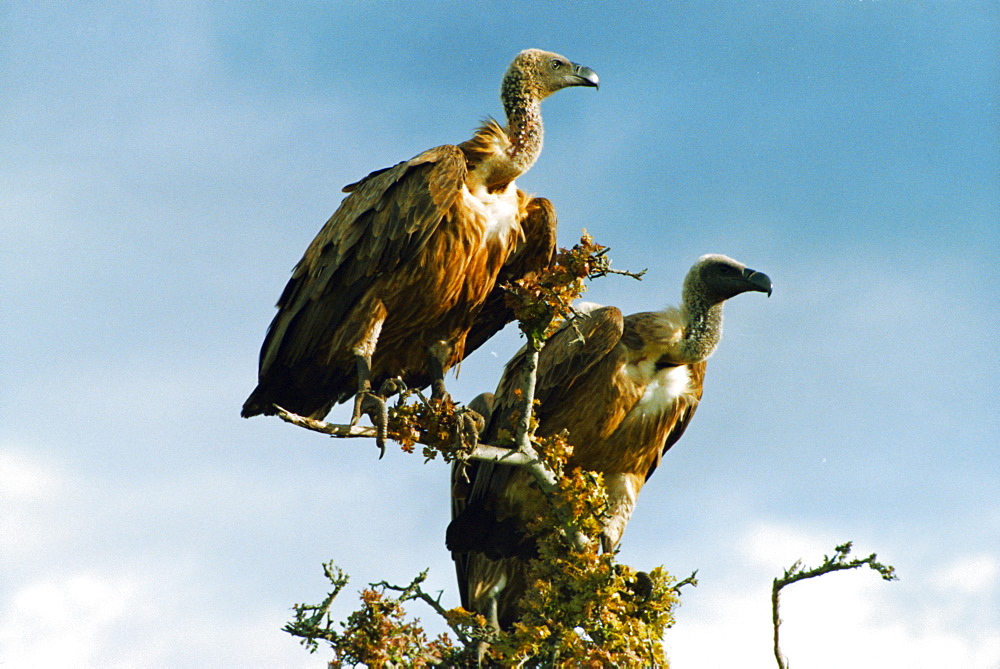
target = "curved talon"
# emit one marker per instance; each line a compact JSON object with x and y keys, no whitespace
{"x":393,"y":386}
{"x":472,"y":426}
{"x":378,"y":411}
{"x":465,"y":435}
{"x":478,"y":421}
{"x":438,"y":391}
{"x":482,"y":404}
{"x":375,"y":408}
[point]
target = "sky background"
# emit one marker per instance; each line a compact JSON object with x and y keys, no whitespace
{"x":165,"y":164}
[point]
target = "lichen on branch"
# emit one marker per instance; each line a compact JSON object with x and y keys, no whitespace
{"x":583,"y":608}
{"x":378,"y":634}
{"x":541,"y":300}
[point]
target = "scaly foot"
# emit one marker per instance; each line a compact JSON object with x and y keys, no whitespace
{"x":366,"y":402}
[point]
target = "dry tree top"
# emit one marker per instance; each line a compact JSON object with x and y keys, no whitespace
{"x":584,"y":608}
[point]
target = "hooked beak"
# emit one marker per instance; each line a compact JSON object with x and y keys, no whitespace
{"x":585,"y":76}
{"x":758,"y":281}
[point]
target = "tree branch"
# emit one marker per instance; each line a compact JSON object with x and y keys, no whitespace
{"x":690,"y":580}
{"x":414,"y":591}
{"x":796,"y":573}
{"x":484,"y":452}
{"x":524,"y":455}
{"x":332,"y":429}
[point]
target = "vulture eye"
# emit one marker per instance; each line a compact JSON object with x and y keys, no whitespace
{"x":556,"y":64}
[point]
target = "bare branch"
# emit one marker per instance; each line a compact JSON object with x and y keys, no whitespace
{"x":485,"y":452}
{"x":796,"y":573}
{"x":314,"y":622}
{"x":604,"y":272}
{"x":332,"y":429}
{"x":544,"y":476}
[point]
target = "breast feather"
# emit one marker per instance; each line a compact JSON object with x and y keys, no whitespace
{"x":497,"y":211}
{"x":663,"y":389}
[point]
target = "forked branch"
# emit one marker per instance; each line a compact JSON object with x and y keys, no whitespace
{"x":837,"y":562}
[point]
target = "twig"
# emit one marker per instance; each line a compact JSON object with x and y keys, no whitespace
{"x":795,"y":573}
{"x":603,"y":272}
{"x":308,"y":619}
{"x":414,"y":591}
{"x":544,"y":476}
{"x":690,"y":580}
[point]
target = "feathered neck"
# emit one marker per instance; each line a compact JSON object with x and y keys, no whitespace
{"x":523,"y":106}
{"x":702,"y":319}
{"x":498,"y":155}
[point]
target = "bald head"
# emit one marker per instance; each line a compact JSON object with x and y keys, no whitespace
{"x":717,"y":277}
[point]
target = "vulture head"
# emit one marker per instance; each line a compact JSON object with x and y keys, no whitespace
{"x":544,"y":73}
{"x":718,"y":278}
{"x":710,"y":282}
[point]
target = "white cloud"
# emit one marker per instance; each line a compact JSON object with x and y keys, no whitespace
{"x":60,"y":623}
{"x":31,"y":496}
{"x":969,"y":575}
{"x":82,"y":619}
{"x":25,"y":479}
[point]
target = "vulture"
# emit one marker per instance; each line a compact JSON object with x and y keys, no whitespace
{"x":404,"y":279}
{"x":624,"y":389}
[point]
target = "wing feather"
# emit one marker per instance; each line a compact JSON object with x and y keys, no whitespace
{"x":386,"y":219}
{"x":573,"y":350}
{"x":568,"y":354}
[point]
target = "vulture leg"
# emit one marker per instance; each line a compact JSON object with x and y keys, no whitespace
{"x":472,"y":420}
{"x":477,"y":413}
{"x":482,"y":404}
{"x":470,"y":423}
{"x":390,"y":387}
{"x":439,"y":354}
{"x":369,"y":403}
{"x":494,"y":612}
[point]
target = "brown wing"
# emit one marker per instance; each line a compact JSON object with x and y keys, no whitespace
{"x":533,"y":254}
{"x":486,"y":548}
{"x":385,"y":220}
{"x":578,"y":345}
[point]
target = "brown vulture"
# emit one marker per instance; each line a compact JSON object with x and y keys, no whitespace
{"x":625,"y":389}
{"x":402,"y":281}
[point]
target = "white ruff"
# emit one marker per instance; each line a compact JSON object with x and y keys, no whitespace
{"x":496,"y":211}
{"x":663,"y":389}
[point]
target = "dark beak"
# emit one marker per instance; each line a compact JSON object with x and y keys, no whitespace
{"x":585,"y":76}
{"x":758,"y":281}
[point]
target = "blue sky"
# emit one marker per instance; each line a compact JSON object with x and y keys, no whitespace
{"x":166,"y":164}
